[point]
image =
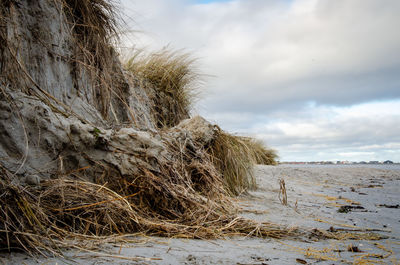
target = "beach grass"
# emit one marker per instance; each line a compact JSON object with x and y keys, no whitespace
{"x":235,"y":156}
{"x":171,"y":79}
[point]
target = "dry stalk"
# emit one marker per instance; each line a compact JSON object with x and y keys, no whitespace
{"x":282,"y":192}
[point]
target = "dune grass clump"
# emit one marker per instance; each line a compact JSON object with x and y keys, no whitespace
{"x":171,"y":81}
{"x":95,"y":21}
{"x":235,"y":156}
{"x":94,"y":24}
{"x":261,"y":154}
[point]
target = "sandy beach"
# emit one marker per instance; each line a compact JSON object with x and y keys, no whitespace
{"x":352,"y":199}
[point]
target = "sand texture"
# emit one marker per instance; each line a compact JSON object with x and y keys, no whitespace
{"x":363,"y":201}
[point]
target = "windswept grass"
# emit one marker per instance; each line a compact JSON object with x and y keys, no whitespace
{"x":94,"y":21}
{"x":171,"y":80}
{"x":235,"y":156}
{"x":261,"y":154}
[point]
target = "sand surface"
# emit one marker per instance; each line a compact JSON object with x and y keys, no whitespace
{"x":370,"y":198}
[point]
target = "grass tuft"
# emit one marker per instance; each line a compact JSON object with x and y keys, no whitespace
{"x":235,"y":156}
{"x":94,"y":24}
{"x":261,"y":154}
{"x":171,"y":81}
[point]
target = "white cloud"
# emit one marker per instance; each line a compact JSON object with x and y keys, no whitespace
{"x":298,"y":73}
{"x":361,"y":130}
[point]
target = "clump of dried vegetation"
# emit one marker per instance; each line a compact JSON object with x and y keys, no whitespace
{"x":260,"y":154}
{"x":94,"y":24}
{"x":182,"y":199}
{"x":171,"y":81}
{"x":235,"y":156}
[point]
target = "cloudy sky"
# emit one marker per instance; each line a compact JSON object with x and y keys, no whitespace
{"x":315,"y":79}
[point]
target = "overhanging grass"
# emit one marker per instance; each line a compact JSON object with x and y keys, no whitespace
{"x":261,"y":154}
{"x":94,"y":24}
{"x":171,"y":80}
{"x":235,"y":156}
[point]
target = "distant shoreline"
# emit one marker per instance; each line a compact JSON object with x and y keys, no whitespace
{"x":394,"y":166}
{"x":338,"y":163}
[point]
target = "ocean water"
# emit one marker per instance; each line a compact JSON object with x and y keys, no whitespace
{"x":377,"y":166}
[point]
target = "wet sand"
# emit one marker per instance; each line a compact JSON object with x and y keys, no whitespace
{"x":329,"y":198}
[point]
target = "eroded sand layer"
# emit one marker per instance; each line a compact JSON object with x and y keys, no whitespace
{"x":354,"y":200}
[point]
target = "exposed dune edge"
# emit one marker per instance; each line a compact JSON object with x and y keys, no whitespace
{"x":90,"y":149}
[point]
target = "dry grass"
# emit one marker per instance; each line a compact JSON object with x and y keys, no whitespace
{"x":184,"y":197}
{"x":282,"y":192}
{"x":77,"y":214}
{"x":180,"y":200}
{"x":171,"y":81}
{"x":94,"y":24}
{"x":235,"y":156}
{"x":261,"y":154}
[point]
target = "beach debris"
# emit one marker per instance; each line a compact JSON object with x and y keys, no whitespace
{"x":262,"y":263}
{"x":296,"y":209}
{"x":260,"y":259}
{"x":349,"y":208}
{"x":192,"y":259}
{"x":393,"y":206}
{"x":375,"y":186}
{"x":301,"y":261}
{"x":282,"y":192}
{"x":333,"y":198}
{"x":254,"y":211}
{"x":333,"y":253}
{"x":370,"y":258}
{"x":325,"y":254}
{"x":352,"y":248}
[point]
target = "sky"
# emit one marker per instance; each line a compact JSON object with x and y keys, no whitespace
{"x":314,"y":79}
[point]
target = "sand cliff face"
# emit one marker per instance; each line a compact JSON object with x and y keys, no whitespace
{"x":59,"y":98}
